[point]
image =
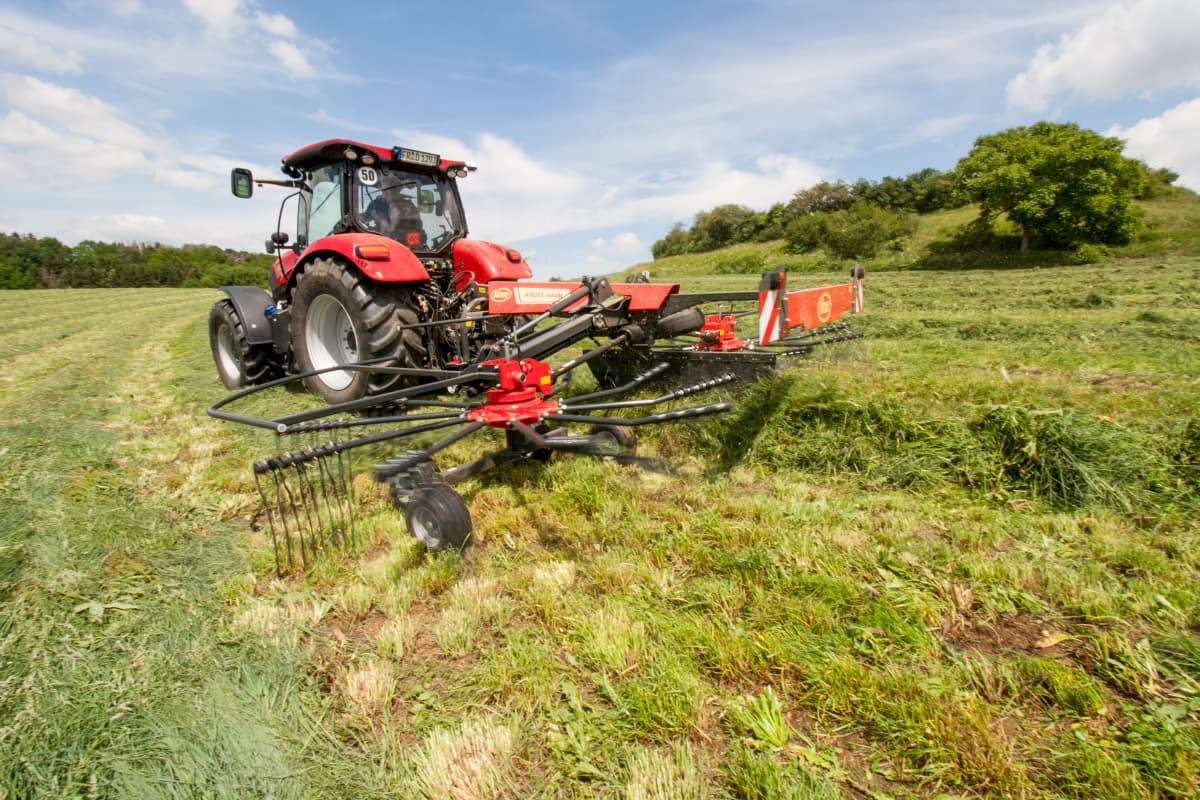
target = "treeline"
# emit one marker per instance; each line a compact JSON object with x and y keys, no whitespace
{"x":1082,"y":181}
{"x":920,"y":193}
{"x":29,"y":262}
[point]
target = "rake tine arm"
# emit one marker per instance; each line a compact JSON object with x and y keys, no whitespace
{"x":479,"y":373}
{"x":312,"y":453}
{"x":675,"y":395}
{"x":630,"y":335}
{"x":650,"y":374}
{"x":823,"y":331}
{"x":653,"y":419}
{"x":282,"y":425}
{"x":337,"y":424}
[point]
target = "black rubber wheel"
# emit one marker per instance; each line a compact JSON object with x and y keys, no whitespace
{"x":339,"y":316}
{"x":689,"y":320}
{"x":239,"y":364}
{"x":614,"y":439}
{"x":438,"y":517}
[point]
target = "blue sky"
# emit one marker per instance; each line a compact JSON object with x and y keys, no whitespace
{"x":595,"y":126}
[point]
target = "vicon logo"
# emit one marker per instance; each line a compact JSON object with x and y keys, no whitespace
{"x":824,"y":306}
{"x":501,"y":294}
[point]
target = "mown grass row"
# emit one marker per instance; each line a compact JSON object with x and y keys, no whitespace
{"x":1068,"y":459}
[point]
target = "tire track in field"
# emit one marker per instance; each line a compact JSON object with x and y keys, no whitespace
{"x":79,"y":365}
{"x":167,"y":441}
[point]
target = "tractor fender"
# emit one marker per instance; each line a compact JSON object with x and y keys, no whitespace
{"x":486,"y":261}
{"x":378,"y":257}
{"x":251,"y":303}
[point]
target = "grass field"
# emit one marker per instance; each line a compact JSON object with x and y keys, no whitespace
{"x":958,"y":558}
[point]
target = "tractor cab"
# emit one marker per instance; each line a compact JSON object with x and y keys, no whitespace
{"x":408,"y":196}
{"x":350,"y":193}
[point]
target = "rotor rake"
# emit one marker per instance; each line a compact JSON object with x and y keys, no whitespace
{"x":306,"y":489}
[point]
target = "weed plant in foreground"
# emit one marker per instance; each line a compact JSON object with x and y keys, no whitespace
{"x":958,"y":558}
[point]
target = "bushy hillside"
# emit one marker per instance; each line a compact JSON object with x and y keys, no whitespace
{"x":943,"y":240}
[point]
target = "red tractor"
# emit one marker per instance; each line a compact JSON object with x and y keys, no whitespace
{"x":381,"y":271}
{"x":405,"y":327}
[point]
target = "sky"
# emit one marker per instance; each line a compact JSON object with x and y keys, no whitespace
{"x":595,"y":126}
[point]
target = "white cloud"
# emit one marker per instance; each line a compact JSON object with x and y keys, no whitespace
{"x":70,"y":109}
{"x":627,"y":243}
{"x":70,"y":138}
{"x":222,"y":17}
{"x":515,"y":197}
{"x":126,"y":8}
{"x":291,"y":58}
{"x":1170,"y":140}
{"x":276,"y":24}
{"x":1146,"y":46}
{"x":186,"y":179}
{"x":37,"y":53}
{"x":121,"y":227}
{"x":937,"y":128}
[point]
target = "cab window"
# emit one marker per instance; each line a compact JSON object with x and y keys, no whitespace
{"x":324,"y":202}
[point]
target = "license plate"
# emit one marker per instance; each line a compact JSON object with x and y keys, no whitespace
{"x":419,"y":157}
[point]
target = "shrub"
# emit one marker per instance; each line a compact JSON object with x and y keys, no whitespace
{"x":864,"y":230}
{"x":1088,"y":254}
{"x":807,"y":233}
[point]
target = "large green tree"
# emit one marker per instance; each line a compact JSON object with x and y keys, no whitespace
{"x":1061,"y":184}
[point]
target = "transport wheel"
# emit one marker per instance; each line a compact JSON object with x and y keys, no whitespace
{"x":339,"y":316}
{"x":238,"y":363}
{"x":438,"y":517}
{"x":614,"y":439}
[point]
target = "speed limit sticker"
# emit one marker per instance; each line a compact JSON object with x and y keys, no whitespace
{"x":367,"y":176}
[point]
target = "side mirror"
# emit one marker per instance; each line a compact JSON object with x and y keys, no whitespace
{"x":277,"y":242}
{"x":241,"y":181}
{"x":426,"y":202}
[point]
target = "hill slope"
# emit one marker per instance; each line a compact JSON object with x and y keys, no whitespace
{"x":1172,"y":229}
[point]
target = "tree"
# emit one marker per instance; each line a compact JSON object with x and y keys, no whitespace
{"x":860,"y":231}
{"x":824,"y":196}
{"x":722,"y":226}
{"x":676,"y":242}
{"x":1061,"y":184}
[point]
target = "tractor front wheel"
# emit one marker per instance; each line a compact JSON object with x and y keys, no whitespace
{"x":438,"y":517}
{"x":341,"y":317}
{"x":239,"y":364}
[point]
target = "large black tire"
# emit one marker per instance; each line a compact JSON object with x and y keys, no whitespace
{"x":339,"y":316}
{"x":438,"y":517}
{"x":239,"y":364}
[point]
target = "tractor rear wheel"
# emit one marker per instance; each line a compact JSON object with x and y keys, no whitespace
{"x":339,"y":317}
{"x":438,"y":517}
{"x":239,"y":364}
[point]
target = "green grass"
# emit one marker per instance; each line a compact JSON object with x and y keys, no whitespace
{"x":957,"y":558}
